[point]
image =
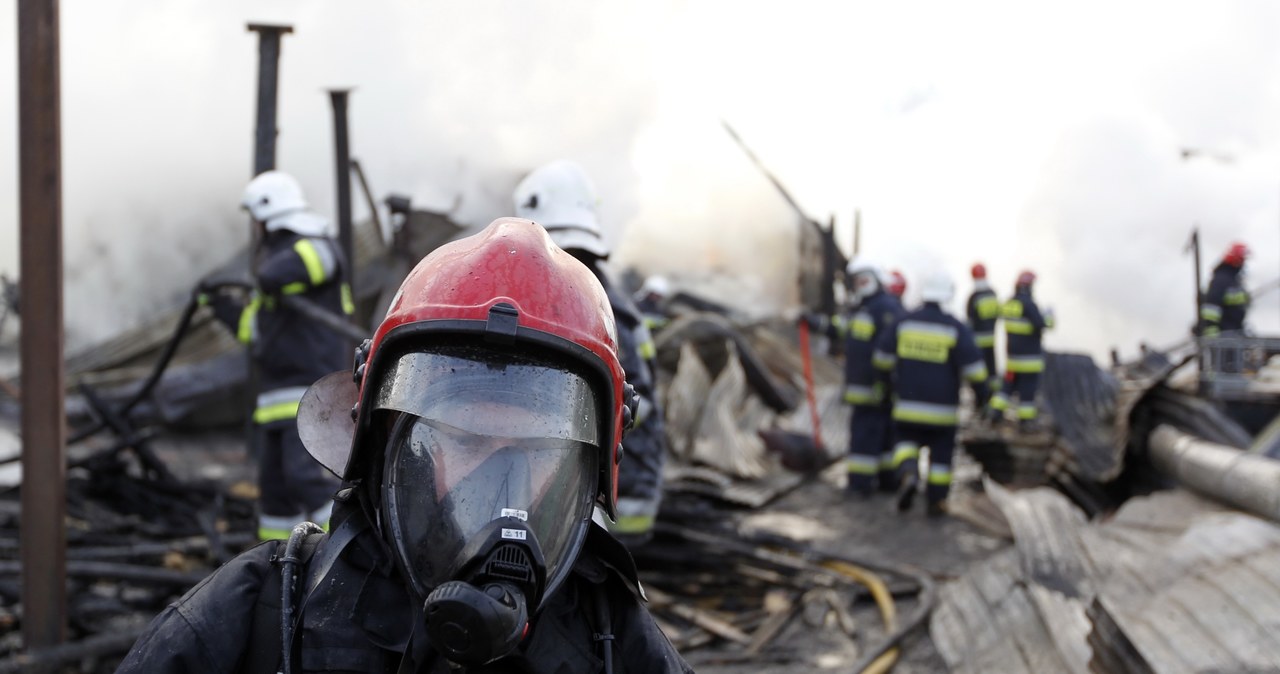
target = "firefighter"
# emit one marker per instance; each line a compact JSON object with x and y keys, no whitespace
{"x":897,"y":285}
{"x":1226,"y":302}
{"x":489,"y":411}
{"x":869,"y":462}
{"x":560,"y":197}
{"x":297,"y":256}
{"x":651,"y":300}
{"x":1024,"y":326}
{"x":928,"y":352}
{"x":983,"y":311}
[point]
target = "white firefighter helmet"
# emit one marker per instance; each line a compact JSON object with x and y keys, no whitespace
{"x":937,"y":287}
{"x":560,"y":197}
{"x":272,"y":194}
{"x":864,"y":278}
{"x":656,"y":285}
{"x":275,"y":199}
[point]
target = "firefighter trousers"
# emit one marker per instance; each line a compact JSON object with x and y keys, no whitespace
{"x":909,"y":439}
{"x":870,"y":456}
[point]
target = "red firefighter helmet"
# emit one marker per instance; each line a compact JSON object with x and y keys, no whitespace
{"x":1026,"y":278}
{"x":1236,"y":254}
{"x":897,"y":283}
{"x":978,"y":271}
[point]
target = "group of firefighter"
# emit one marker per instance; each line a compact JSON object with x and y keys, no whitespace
{"x":904,"y":371}
{"x":474,"y":515}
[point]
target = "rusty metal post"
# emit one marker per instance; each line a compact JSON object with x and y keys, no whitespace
{"x":43,"y":535}
{"x":342,"y":152}
{"x":264,"y":146}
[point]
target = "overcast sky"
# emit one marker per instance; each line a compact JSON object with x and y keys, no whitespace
{"x":1020,"y":134}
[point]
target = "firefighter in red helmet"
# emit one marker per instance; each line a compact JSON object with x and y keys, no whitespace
{"x":983,"y":310}
{"x":897,"y":284}
{"x":483,"y":428}
{"x":1024,"y":326}
{"x":1226,"y":302}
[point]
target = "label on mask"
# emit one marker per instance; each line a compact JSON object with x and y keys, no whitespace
{"x":522,"y":515}
{"x":513,"y":534}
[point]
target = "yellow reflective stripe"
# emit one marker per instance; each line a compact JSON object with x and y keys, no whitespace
{"x":863,"y":328}
{"x":916,"y":415}
{"x":655,"y":322}
{"x":883,"y":361}
{"x":988,"y":308}
{"x":1211,"y":331}
{"x":858,"y":394}
{"x":1211,"y":312}
{"x":939,"y":476}
{"x":840,"y":323}
{"x":905,"y":452}
{"x":985,"y":339}
{"x":295,"y":288}
{"x":648,"y":350}
{"x":862,"y":465}
{"x":1027,"y":412}
{"x":999,"y":402}
{"x":276,"y":412}
{"x":1012,"y":309}
{"x":976,"y":372}
{"x":348,"y":304}
{"x":269,"y":534}
{"x":311,"y":260}
{"x":1235,"y":297}
{"x":632,"y":524}
{"x":1018,"y":326}
{"x":247,"y":329}
{"x":1025,"y":365}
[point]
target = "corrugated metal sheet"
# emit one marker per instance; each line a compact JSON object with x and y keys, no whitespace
{"x":1193,"y":587}
{"x":1171,"y":583}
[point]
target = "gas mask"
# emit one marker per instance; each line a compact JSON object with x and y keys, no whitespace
{"x":490,"y":473}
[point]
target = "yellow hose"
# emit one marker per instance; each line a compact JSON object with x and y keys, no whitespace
{"x":884,"y":599}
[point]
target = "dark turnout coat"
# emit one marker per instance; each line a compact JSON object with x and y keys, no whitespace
{"x":356,"y":616}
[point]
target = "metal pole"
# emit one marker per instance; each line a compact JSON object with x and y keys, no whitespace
{"x":342,"y":151}
{"x":264,"y":145}
{"x":43,"y":533}
{"x":1194,"y":244}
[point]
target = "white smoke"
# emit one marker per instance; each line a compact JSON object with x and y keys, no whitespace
{"x":1007,"y":132}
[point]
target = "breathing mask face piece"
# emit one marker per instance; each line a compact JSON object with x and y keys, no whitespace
{"x":490,"y":475}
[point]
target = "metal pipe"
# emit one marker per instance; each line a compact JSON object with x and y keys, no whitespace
{"x":368,"y":197}
{"x":1247,"y":481}
{"x":43,"y":533}
{"x":264,"y":146}
{"x":342,"y":152}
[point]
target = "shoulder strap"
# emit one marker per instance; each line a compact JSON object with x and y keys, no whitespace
{"x":263,"y":654}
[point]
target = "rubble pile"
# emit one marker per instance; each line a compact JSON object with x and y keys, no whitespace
{"x":134,"y":543}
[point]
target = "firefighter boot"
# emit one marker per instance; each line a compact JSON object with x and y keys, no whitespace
{"x":907,"y":489}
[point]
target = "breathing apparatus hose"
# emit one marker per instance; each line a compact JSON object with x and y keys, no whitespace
{"x":288,"y":589}
{"x":158,"y":370}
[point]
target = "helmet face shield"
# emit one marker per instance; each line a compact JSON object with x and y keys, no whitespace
{"x":484,"y":435}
